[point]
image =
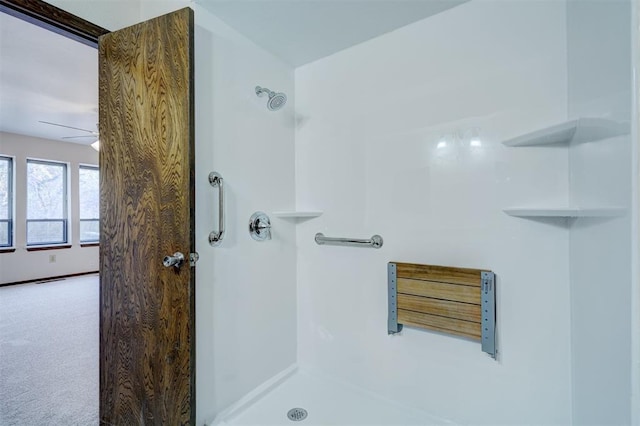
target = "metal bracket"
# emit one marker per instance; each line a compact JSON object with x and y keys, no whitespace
{"x":392,"y":279}
{"x":488,"y":317}
{"x":193,"y":258}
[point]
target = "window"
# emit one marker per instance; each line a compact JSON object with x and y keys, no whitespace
{"x":47,"y":221}
{"x":6,"y":201}
{"x":89,"y":204}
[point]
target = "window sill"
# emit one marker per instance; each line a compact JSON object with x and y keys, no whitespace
{"x":88,"y":244}
{"x":7,"y":249}
{"x":51,"y":247}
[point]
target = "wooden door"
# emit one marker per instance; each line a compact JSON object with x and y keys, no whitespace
{"x":147,"y":318}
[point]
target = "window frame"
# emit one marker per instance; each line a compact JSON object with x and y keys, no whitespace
{"x":65,"y":204}
{"x":12,"y":202}
{"x":81,"y":219}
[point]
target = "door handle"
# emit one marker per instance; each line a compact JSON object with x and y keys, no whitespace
{"x":176,"y":260}
{"x":215,"y":237}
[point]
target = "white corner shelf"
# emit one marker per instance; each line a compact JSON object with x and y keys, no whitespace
{"x":565,"y":212}
{"x":295,"y":214}
{"x":579,"y":130}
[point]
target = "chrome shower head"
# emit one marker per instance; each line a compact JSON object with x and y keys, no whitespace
{"x":276,"y":100}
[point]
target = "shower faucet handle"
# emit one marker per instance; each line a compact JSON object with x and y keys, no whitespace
{"x":260,"y":226}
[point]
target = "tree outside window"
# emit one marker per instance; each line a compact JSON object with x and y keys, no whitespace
{"x":6,"y":201}
{"x":47,"y":220}
{"x":89,"y":204}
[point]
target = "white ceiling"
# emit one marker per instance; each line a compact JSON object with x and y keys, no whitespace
{"x":45,"y":76}
{"x":302,"y":31}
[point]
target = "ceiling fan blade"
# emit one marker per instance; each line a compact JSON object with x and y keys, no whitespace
{"x":68,"y":127}
{"x":83,"y":136}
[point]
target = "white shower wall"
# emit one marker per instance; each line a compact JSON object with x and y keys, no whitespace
{"x":384,"y":145}
{"x":246,"y":305}
{"x":599,"y":70}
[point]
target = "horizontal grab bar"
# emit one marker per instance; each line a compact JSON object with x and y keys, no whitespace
{"x":375,"y":241}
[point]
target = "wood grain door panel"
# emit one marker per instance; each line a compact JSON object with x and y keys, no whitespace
{"x":147,"y":335}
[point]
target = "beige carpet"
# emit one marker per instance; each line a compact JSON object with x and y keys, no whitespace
{"x":49,"y":353}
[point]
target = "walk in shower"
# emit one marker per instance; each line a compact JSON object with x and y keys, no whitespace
{"x":418,"y":212}
{"x":488,"y":135}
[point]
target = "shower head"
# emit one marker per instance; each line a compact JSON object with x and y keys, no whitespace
{"x":276,"y":100}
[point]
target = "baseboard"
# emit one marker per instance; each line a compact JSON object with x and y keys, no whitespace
{"x":58,"y":277}
{"x":257,"y":393}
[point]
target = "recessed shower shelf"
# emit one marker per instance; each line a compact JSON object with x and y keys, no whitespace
{"x":294,"y":214}
{"x":566,"y":212}
{"x":580,"y":130}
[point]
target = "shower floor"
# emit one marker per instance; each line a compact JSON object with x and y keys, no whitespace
{"x":328,"y":402}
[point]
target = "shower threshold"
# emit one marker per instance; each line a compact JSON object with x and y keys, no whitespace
{"x":326,"y":401}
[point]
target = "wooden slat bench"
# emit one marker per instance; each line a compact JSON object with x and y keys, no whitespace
{"x":451,"y":300}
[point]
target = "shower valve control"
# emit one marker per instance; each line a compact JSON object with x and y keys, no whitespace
{"x":260,"y":226}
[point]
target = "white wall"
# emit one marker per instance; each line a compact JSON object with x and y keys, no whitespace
{"x":369,"y":122}
{"x":599,"y":70}
{"x":22,"y":265}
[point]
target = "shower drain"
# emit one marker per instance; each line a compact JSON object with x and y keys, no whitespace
{"x":297,"y":414}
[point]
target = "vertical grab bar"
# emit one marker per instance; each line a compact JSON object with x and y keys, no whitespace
{"x":215,"y":237}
